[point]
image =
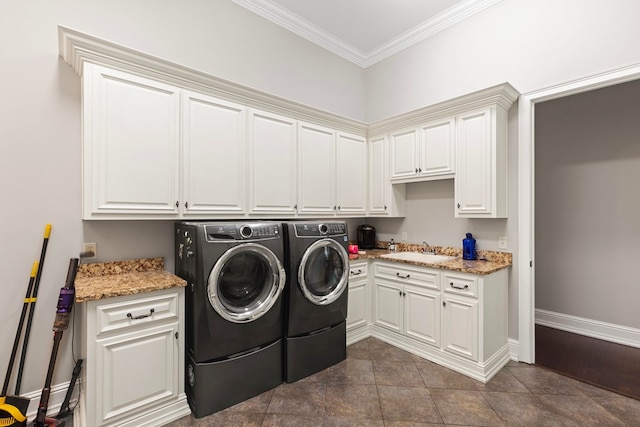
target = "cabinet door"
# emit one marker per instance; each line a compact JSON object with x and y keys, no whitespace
{"x":213,"y":155}
{"x":378,"y":180}
{"x":460,"y":326}
{"x":317,"y":170}
{"x":136,"y":370}
{"x":404,"y":154}
{"x":272,"y":164}
{"x":352,"y":174}
{"x":422,"y":314}
{"x":474,"y":153}
{"x":357,"y":301}
{"x":388,"y":305}
{"x":437,"y":153}
{"x":131,"y":145}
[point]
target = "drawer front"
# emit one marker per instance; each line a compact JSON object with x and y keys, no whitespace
{"x":404,"y":273}
{"x":460,"y":284}
{"x":357,"y":270}
{"x":132,"y":312}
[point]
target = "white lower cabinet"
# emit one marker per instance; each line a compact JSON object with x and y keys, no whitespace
{"x":134,"y":355}
{"x":458,"y":320}
{"x":358,"y":302}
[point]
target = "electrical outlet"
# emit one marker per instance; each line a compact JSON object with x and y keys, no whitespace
{"x":404,"y":236}
{"x":90,"y":247}
{"x":502,"y":242}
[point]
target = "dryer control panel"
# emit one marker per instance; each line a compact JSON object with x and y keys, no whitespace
{"x":318,"y":229}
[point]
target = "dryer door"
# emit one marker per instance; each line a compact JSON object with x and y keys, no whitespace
{"x":245,"y":282}
{"x":324,"y":272}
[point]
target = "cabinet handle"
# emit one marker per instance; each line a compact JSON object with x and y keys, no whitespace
{"x":176,"y":335}
{"x":416,"y":170}
{"x":295,"y":207}
{"x":419,"y":169}
{"x":355,"y":273}
{"x":186,"y":205}
{"x":177,"y":204}
{"x":462,"y":288}
{"x":385,"y":207}
{"x":444,"y":303}
{"x":403,"y":277}
{"x":132,"y":317}
{"x":404,"y":294}
{"x":458,"y":205}
{"x":399,"y":292}
{"x":334,"y":207}
{"x":339,"y":207}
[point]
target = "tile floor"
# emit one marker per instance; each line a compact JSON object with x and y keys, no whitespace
{"x":381,"y":385}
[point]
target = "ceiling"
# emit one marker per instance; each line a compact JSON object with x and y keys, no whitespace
{"x":365,"y":31}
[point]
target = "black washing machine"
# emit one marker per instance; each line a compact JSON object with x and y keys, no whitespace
{"x":234,"y":310}
{"x":317,"y":266}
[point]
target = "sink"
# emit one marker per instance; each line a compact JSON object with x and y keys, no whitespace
{"x":418,"y":257}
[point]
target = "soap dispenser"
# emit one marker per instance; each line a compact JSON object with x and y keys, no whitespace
{"x":469,"y":250}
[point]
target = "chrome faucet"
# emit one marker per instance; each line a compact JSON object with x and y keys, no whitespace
{"x":427,"y":249}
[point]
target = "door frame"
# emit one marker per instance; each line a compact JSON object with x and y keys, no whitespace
{"x":526,"y":191}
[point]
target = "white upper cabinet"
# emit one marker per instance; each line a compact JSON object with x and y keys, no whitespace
{"x":272,"y":164}
{"x":437,"y":148}
{"x":351,"y":174}
{"x":385,"y":199}
{"x":481,"y":179}
{"x":404,"y":154}
{"x":214,"y":156}
{"x":131,"y":145}
{"x":317,"y":170}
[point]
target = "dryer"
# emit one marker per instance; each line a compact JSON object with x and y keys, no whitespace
{"x":317,"y":265}
{"x":234,"y":310}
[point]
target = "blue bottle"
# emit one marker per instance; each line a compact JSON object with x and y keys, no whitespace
{"x":469,"y":250}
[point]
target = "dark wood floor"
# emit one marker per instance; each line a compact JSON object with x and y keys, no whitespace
{"x":608,"y":365}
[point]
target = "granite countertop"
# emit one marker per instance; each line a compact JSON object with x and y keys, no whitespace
{"x":129,"y":277}
{"x":488,"y":262}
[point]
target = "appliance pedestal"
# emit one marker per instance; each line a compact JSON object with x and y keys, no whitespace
{"x":308,"y":354}
{"x":218,"y":385}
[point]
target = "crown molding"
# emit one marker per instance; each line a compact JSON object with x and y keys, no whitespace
{"x":77,"y":48}
{"x":294,"y":23}
{"x":502,"y":95}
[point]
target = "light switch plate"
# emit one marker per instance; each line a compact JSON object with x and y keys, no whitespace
{"x":404,"y":236}
{"x":502,"y":242}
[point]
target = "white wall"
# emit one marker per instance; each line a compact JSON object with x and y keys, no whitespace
{"x":531,"y":44}
{"x":587,"y":204}
{"x":40,"y":126}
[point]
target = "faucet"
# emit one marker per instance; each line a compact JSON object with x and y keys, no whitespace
{"x":427,"y":249}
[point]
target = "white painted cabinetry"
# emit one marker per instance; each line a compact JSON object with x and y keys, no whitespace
{"x":358,"y":302}
{"x":385,"y":198}
{"x":131,"y":151}
{"x":214,"y":156}
{"x":351,"y":171}
{"x":481,"y":181}
{"x":134,"y":356}
{"x":272,"y":164}
{"x":458,"y":320}
{"x":317,"y":170}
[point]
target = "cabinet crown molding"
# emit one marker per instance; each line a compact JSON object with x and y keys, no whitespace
{"x":77,"y":48}
{"x":502,"y":95}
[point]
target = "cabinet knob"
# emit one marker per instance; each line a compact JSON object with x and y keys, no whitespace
{"x":186,"y":205}
{"x":177,"y":204}
{"x":385,"y":207}
{"x":458,"y":205}
{"x":176,"y":335}
{"x":444,"y":303}
{"x":416,"y":170}
{"x":339,"y":207}
{"x":419,"y":169}
{"x":295,"y":207}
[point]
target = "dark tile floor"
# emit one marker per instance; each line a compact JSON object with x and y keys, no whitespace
{"x":381,"y":385}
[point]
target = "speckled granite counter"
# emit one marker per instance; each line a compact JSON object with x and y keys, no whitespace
{"x":488,"y":262}
{"x":113,"y":279}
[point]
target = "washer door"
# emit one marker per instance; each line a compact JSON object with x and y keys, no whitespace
{"x":245,"y":283}
{"x":324,"y":272}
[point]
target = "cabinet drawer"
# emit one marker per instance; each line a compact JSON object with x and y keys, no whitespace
{"x":460,"y":285}
{"x":358,"y":270}
{"x":408,"y":274}
{"x":134,"y":311}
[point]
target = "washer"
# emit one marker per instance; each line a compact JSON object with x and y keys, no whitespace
{"x":316,"y":296}
{"x":234,"y":310}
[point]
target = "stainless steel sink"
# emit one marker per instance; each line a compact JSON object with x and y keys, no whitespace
{"x":418,"y":257}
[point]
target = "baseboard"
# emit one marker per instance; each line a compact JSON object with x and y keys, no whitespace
{"x":56,"y":397}
{"x":514,"y":349}
{"x":591,"y":328}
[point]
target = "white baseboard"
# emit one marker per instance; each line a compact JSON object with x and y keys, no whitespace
{"x":56,"y":397}
{"x":592,"y":328}
{"x":514,"y":349}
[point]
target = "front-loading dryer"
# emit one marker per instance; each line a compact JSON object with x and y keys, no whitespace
{"x":234,"y":310}
{"x":317,"y":265}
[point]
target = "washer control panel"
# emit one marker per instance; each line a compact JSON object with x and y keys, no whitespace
{"x":248,"y":231}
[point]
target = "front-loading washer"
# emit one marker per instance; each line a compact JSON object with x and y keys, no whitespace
{"x":317,"y":265}
{"x":234,"y":310}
